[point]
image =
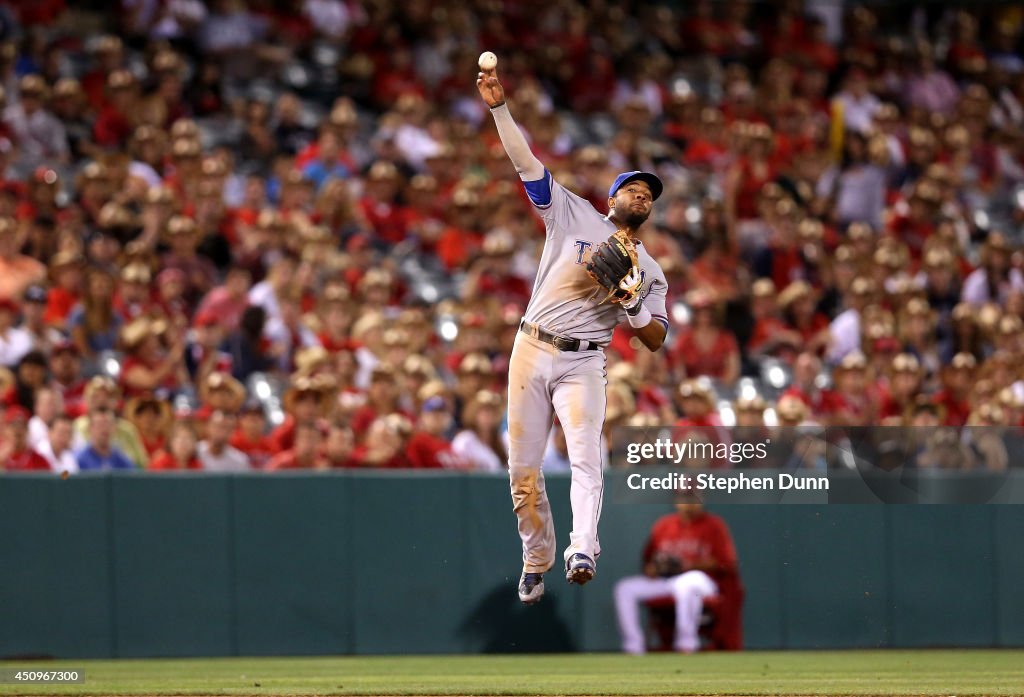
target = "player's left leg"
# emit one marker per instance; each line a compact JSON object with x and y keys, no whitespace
{"x":629,"y":593}
{"x":690,"y":590}
{"x":579,"y":401}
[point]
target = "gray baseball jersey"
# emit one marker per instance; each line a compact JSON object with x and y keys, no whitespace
{"x":565,"y":298}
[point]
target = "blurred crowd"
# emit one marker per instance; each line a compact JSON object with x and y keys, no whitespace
{"x":264,"y":234}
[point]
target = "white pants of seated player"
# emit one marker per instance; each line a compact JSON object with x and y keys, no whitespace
{"x":689,"y":591}
{"x":543,"y":382}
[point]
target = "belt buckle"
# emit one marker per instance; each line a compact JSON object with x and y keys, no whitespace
{"x":563,"y":344}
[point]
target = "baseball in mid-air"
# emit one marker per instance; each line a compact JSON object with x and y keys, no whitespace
{"x":487,"y":61}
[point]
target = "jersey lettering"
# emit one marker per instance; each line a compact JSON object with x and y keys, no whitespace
{"x":582,"y":246}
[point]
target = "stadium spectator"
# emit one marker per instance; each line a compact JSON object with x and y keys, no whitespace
{"x":855,"y":187}
{"x":429,"y":445}
{"x":47,"y":407}
{"x":305,"y":402}
{"x":101,"y":453}
{"x":339,"y":445}
{"x":39,"y":135}
{"x":704,"y":347}
{"x":102,"y":395}
{"x":57,"y":448}
{"x":306,"y":453}
{"x":258,"y":219}
{"x":93,"y":324}
{"x":181,"y":452}
{"x":15,"y":452}
{"x":215,"y":451}
{"x":221,"y":392}
{"x":15,"y":342}
{"x":995,"y":278}
{"x":384,"y":446}
{"x":479,"y":443}
{"x":153,"y":361}
{"x":689,"y":558}
{"x":249,"y":436}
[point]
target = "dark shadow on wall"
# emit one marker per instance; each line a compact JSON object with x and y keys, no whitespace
{"x":501,"y":624}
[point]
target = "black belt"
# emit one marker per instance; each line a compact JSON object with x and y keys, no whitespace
{"x":560,"y":343}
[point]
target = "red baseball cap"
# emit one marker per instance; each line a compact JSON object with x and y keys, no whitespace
{"x":16,"y":413}
{"x":64,"y":346}
{"x":207,"y":318}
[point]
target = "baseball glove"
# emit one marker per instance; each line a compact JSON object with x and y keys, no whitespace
{"x":665,"y":565}
{"x":614,"y":266}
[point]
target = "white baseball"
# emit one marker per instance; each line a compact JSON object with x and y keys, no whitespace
{"x":487,"y":61}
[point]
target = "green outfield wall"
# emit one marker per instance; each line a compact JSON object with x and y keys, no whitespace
{"x":334,"y":563}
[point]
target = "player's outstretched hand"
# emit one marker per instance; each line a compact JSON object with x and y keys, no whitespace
{"x":490,"y":89}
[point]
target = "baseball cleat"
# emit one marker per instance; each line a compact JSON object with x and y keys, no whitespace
{"x":579,"y":569}
{"x":531,"y":588}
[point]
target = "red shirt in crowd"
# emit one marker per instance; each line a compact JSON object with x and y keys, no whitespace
{"x":389,"y":221}
{"x":288,"y":460}
{"x":819,"y":402}
{"x":73,"y":396}
{"x":166,"y":461}
{"x":765,"y":328}
{"x":957,"y":410}
{"x":283,"y":437}
{"x":711,"y":360}
{"x":112,"y":128}
{"x":59,"y":303}
{"x":425,"y":451}
{"x":26,"y":460}
{"x":153,"y":446}
{"x":259,"y":451}
{"x":700,"y":539}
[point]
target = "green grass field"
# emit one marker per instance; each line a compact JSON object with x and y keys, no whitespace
{"x":933,"y":672}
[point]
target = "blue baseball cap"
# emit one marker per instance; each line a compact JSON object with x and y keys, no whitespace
{"x":626,"y":177}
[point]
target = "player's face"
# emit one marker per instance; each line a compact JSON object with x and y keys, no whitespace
{"x":633,"y":203}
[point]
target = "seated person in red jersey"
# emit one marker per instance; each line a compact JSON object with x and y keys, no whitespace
{"x":306,"y":453}
{"x":700,"y":422}
{"x":15,"y":453}
{"x":428,"y":447}
{"x":339,"y":445}
{"x":851,"y":401}
{"x":250,"y":435}
{"x":181,"y":452}
{"x":769,"y":336}
{"x":704,"y":347}
{"x":384,"y":446}
{"x":956,"y":380}
{"x":152,"y":418}
{"x":690,"y":557}
{"x":906,"y":377}
{"x":306,"y":401}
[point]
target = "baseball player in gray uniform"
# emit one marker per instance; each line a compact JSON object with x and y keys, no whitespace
{"x":558,"y":363}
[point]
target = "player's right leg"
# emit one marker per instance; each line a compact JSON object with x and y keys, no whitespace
{"x":689,"y":590}
{"x":629,"y":593}
{"x":529,"y":423}
{"x":579,"y":401}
